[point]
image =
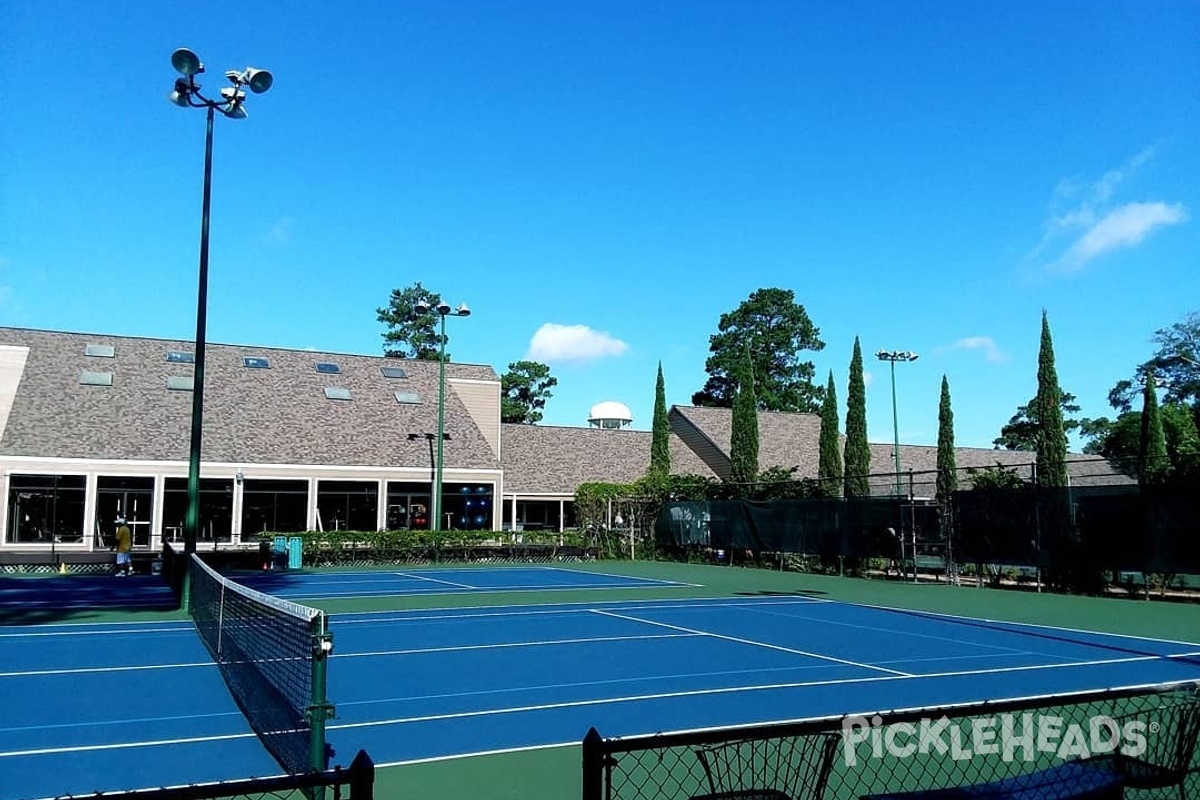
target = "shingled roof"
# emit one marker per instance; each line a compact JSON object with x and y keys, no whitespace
{"x":277,"y":415}
{"x":556,"y":460}
{"x":784,"y":439}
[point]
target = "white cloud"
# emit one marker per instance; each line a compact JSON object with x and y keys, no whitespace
{"x":991,"y":352}
{"x":1126,"y":226}
{"x":558,"y":343}
{"x":867,"y":378}
{"x":1084,"y":223}
{"x":281,"y":232}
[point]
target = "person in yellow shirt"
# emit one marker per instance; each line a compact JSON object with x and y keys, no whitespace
{"x":124,"y":546}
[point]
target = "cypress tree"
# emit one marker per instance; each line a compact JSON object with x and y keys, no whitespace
{"x":858,"y":453}
{"x":1051,"y":437}
{"x":743,"y":438}
{"x":947,"y":465}
{"x":829,"y":469}
{"x":1152,"y":447}
{"x":660,"y":437}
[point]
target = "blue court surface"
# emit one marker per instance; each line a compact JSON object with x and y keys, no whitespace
{"x":136,"y":704}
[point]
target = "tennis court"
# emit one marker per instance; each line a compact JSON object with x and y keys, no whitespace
{"x":519,"y":659}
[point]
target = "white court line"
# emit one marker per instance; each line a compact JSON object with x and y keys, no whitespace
{"x":571,"y":607}
{"x":753,"y":643}
{"x":164,"y":629}
{"x":946,"y":615}
{"x":318,"y":595}
{"x":498,"y":752}
{"x":119,"y":624}
{"x":734,"y":689}
{"x":503,"y":645}
{"x":652,"y":581}
{"x":86,"y":748}
{"x":88,"y":670}
{"x":435,"y":580}
{"x":893,"y":632}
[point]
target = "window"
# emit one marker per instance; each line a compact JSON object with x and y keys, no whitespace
{"x":100,"y":350}
{"x":256,"y":362}
{"x":393,"y":372}
{"x":180,"y":357}
{"x":328,"y":368}
{"x":181,"y":383}
{"x":408,"y":398}
{"x":89,"y":378}
{"x":337,"y":393}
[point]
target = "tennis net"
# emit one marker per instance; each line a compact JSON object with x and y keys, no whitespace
{"x":272,"y":655}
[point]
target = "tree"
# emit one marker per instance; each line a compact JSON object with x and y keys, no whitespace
{"x":1020,"y":432}
{"x":660,"y":436}
{"x":1176,"y":362}
{"x":743,"y":439}
{"x":1051,"y":435}
{"x":997,"y":478}
{"x":858,"y":452}
{"x":775,"y":329}
{"x":947,"y":465}
{"x":524,"y":390}
{"x":829,"y":469}
{"x":1119,"y":440}
{"x":1152,"y":443}
{"x":409,"y":334}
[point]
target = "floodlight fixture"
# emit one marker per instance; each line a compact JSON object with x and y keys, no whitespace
{"x":230,"y":102}
{"x":186,"y":62}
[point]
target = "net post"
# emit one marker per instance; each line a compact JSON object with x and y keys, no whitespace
{"x":320,"y":709}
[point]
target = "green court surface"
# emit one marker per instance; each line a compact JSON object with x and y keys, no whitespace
{"x":554,"y":774}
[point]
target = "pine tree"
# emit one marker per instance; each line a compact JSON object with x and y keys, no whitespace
{"x":660,"y":437}
{"x":1051,"y":436}
{"x":858,"y":452}
{"x":743,"y":439}
{"x":1152,"y":450}
{"x":947,"y":465}
{"x":829,"y":471}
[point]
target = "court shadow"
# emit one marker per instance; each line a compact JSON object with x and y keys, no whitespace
{"x":38,"y":600}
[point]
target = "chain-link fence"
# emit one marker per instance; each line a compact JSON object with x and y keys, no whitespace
{"x":356,"y":782}
{"x":1136,"y":743}
{"x":1000,"y":520}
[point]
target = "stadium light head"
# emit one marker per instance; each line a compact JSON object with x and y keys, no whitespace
{"x":186,"y":63}
{"x":443,"y":308}
{"x":463,"y":311}
{"x":259,"y":80}
{"x":179,"y":95}
{"x":421,"y":307}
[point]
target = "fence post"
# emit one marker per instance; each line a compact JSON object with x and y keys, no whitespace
{"x":593,"y":765}
{"x":362,"y":777}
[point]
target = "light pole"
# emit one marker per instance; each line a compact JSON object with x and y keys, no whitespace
{"x":893,"y":356}
{"x":443,"y":310}
{"x":232,"y":104}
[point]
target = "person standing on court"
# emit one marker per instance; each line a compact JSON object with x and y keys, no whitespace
{"x":124,"y":546}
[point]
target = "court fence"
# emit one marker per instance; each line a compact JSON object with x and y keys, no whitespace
{"x":1092,"y":744}
{"x":1080,"y":537}
{"x":356,"y":782}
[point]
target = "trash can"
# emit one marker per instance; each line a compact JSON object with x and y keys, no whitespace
{"x":279,"y":553}
{"x":295,"y":553}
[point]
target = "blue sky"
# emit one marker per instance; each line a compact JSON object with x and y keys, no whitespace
{"x":600,"y":181}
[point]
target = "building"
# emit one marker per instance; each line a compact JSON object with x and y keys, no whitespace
{"x":93,"y":427}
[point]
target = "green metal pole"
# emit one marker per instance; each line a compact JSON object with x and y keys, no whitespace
{"x":191,"y":523}
{"x":896,"y":431}
{"x":437,"y":480}
{"x":320,"y":709}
